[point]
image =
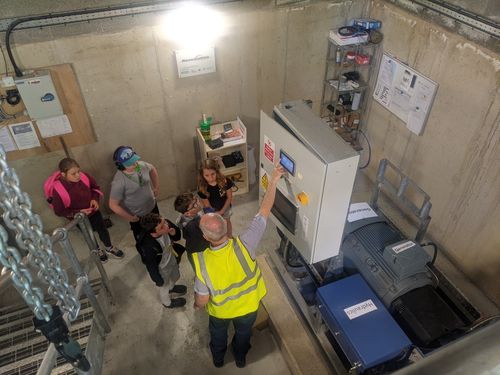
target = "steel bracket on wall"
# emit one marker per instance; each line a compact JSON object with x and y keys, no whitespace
{"x":85,"y":15}
{"x":462,"y":15}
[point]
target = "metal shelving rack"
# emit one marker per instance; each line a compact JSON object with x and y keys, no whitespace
{"x":338,"y":94}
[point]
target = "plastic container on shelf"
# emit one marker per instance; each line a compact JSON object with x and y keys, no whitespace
{"x":205,"y":123}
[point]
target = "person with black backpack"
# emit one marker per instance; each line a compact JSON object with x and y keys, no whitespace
{"x":70,"y":191}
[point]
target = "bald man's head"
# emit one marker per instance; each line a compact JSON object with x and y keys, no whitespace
{"x":213,"y":226}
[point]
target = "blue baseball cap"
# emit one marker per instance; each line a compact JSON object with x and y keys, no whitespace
{"x":126,"y":156}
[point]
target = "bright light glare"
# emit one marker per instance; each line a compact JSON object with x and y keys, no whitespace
{"x":193,"y":26}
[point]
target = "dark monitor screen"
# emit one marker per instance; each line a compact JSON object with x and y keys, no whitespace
{"x":287,"y":162}
{"x":285,"y":211}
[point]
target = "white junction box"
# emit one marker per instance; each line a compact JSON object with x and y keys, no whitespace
{"x":312,"y":201}
{"x":39,"y":95}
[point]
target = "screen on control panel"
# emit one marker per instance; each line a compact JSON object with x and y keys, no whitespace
{"x":287,"y":162}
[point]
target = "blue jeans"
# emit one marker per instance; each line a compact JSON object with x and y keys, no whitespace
{"x":241,"y":339}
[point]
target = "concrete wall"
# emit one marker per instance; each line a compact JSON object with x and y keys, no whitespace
{"x":457,"y":159}
{"x":128,"y":77}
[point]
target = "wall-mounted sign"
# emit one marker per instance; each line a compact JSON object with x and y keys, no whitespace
{"x":195,"y":62}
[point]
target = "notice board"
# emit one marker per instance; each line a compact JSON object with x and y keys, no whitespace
{"x":405,"y":92}
{"x":24,"y":136}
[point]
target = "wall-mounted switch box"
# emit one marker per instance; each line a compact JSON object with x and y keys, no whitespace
{"x":7,"y":82}
{"x":39,"y":95}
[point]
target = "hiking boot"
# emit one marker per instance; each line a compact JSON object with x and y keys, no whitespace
{"x":102,"y":256}
{"x":176,"y":302}
{"x":179,"y":289}
{"x":116,"y":252}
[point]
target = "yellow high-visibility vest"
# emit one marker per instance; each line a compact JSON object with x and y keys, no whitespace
{"x":233,"y":278}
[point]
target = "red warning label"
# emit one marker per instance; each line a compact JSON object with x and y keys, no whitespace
{"x":269,"y":149}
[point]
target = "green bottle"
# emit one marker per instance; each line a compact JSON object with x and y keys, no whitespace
{"x":205,"y":127}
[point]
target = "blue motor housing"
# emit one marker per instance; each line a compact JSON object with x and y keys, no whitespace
{"x":390,"y":264}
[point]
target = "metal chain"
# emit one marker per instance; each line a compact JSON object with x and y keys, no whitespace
{"x":17,"y":215}
{"x":21,"y":277}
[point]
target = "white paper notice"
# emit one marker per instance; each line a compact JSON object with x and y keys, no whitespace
{"x":358,"y":211}
{"x":383,"y":92}
{"x":6,"y":140}
{"x":360,"y":309}
{"x":420,"y":106}
{"x":24,"y":134}
{"x":50,"y":127}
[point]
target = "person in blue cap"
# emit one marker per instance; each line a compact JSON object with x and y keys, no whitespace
{"x":134,"y":188}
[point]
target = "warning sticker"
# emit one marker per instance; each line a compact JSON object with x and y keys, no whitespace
{"x":269,"y":148}
{"x":264,"y":181}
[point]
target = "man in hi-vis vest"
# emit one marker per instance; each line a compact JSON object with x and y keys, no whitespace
{"x":228,"y":280}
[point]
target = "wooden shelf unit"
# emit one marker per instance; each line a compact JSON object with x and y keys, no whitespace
{"x":238,"y":173}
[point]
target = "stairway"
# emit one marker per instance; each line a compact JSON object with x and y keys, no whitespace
{"x":22,"y":349}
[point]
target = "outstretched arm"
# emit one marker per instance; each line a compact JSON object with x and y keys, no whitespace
{"x":268,"y":201}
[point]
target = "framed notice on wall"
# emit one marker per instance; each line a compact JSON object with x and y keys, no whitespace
{"x":195,"y":62}
{"x":405,"y":92}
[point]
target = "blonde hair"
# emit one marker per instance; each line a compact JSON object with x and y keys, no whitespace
{"x":212,"y":164}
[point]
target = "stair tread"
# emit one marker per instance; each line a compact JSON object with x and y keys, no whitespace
{"x":35,"y":337}
{"x":27,"y":320}
{"x":25,"y":328}
{"x":23,"y":309}
{"x":30,"y":365}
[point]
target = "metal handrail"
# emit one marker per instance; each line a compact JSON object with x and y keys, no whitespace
{"x":60,"y":235}
{"x":398,"y":193}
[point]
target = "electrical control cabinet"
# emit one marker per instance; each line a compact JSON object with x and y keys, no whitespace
{"x":313,"y":198}
{"x":39,"y":95}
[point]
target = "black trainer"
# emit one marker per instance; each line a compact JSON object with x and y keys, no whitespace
{"x":179,"y":289}
{"x":116,"y":252}
{"x":176,"y":302}
{"x":102,"y":256}
{"x":218,"y":363}
{"x":240,"y":363}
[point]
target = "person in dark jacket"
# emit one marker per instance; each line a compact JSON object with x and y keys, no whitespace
{"x":156,"y":245}
{"x":190,"y":207}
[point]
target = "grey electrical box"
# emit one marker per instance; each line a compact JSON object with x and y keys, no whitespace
{"x":39,"y":95}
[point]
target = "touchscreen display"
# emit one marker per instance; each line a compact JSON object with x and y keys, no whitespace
{"x":287,"y":162}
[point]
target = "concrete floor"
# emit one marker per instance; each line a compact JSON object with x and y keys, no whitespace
{"x":149,"y":339}
{"x":146,"y":338}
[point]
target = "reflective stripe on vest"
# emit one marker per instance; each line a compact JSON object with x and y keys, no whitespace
{"x":248,"y":272}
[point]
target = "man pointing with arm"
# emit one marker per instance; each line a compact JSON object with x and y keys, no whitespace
{"x":228,"y":280}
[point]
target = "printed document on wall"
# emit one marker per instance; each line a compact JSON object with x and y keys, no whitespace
{"x":24,"y":134}
{"x":6,"y":140}
{"x":53,"y":126}
{"x":405,"y":92}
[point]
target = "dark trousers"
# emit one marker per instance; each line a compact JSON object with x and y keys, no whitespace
{"x":241,"y":339}
{"x":97,"y":223}
{"x":136,"y":229}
